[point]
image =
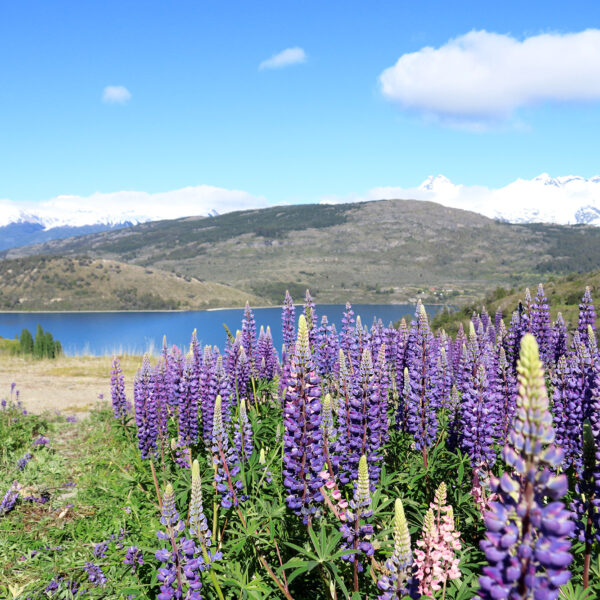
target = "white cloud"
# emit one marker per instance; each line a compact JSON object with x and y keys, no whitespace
{"x":285,"y":58}
{"x":130,"y":206}
{"x":116,"y":94}
{"x":481,"y":77}
{"x":565,"y":200}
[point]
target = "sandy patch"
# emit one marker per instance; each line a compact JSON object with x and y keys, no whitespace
{"x":71,"y":385}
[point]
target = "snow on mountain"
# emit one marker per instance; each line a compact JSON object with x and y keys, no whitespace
{"x":126,"y":207}
{"x":563,"y":200}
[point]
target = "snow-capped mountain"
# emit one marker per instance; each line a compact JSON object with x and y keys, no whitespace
{"x":65,"y":216}
{"x":564,"y":200}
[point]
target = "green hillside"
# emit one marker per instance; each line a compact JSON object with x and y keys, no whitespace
{"x":81,"y":283}
{"x":384,"y":251}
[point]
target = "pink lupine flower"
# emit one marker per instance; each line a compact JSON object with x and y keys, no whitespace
{"x":435,"y":557}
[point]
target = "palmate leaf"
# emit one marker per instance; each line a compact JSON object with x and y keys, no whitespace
{"x":569,"y":592}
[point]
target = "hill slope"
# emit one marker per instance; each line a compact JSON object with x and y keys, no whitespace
{"x":564,"y":295}
{"x":382,"y":251}
{"x":80,"y":283}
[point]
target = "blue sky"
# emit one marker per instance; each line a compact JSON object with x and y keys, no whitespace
{"x":202,"y":112}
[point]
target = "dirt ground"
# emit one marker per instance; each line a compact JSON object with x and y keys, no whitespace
{"x":71,"y":385}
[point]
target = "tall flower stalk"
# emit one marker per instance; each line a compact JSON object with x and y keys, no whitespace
{"x":527,"y":541}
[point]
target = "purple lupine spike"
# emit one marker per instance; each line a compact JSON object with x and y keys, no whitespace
{"x":288,"y":322}
{"x":567,"y":409}
{"x":303,"y":452}
{"x":174,"y":373}
{"x":459,"y":342}
{"x":195,"y":350}
{"x":365,"y":422}
{"x":348,"y":341}
{"x":506,"y":394}
{"x":249,"y":336}
{"x":222,"y":387}
{"x":422,"y":363}
{"x":146,"y":417}
{"x":266,"y":354}
{"x":226,"y":461}
{"x":478,"y":421}
{"x":587,"y":314}
{"x":326,"y":349}
{"x":525,"y":312}
{"x":497,"y":320}
{"x":559,"y":338}
{"x":527,"y":541}
{"x":376,"y":336}
{"x":512,"y":341}
{"x":363,"y":337}
{"x":208,"y":394}
{"x":310,"y":314}
{"x":10,"y":498}
{"x":540,"y":325}
{"x":381,"y":385}
{"x":121,"y":406}
{"x":345,"y":389}
{"x":444,"y":379}
{"x":189,"y":397}
{"x":161,"y":395}
{"x":284,"y":378}
{"x":243,"y":434}
{"x":356,"y":531}
{"x":134,"y":557}
{"x":244,"y":372}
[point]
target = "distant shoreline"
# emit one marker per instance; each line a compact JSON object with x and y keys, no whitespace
{"x":142,"y":310}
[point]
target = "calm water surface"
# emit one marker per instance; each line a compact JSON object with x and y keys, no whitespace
{"x":139,"y":332}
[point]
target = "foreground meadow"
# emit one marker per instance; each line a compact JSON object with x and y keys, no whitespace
{"x":383,"y":462}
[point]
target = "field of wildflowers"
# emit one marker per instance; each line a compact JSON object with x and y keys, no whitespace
{"x":382,"y":462}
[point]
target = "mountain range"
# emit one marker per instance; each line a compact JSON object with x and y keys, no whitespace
{"x":564,"y":200}
{"x":380,"y":251}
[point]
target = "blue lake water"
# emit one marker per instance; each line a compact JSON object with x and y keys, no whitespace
{"x":138,"y":332}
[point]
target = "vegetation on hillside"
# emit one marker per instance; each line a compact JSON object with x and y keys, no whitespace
{"x":401,"y":251}
{"x":80,"y":283}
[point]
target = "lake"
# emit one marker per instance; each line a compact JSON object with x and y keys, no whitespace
{"x":101,"y":333}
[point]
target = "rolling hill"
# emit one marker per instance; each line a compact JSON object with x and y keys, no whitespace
{"x":380,"y":251}
{"x":45,"y":283}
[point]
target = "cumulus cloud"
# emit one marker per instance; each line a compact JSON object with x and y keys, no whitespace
{"x":566,"y":200}
{"x":482,"y":76}
{"x":132,"y":206}
{"x":285,"y":58}
{"x":116,"y":94}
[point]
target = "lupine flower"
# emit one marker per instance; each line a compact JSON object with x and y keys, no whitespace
{"x":100,"y":550}
{"x":357,"y":536}
{"x":10,"y":498}
{"x":397,"y":580}
{"x":188,"y":405}
{"x":540,"y":325}
{"x":587,"y":314}
{"x":436,"y":559}
{"x":198,"y":524}
{"x":329,"y":436}
{"x":567,"y":409}
{"x":117,"y":388}
{"x":249,"y":336}
{"x":243,"y":433}
{"x":365,"y":422}
{"x":422,"y":402}
{"x":527,"y":541}
{"x":266,"y":355}
{"x":326,"y":349}
{"x":310,"y":314}
{"x":24,"y":461}
{"x":145,"y":410}
{"x":478,"y":421}
{"x":134,"y":557}
{"x":95,"y":574}
{"x":40,"y":441}
{"x":506,"y":393}
{"x":303,"y":453}
{"x":288,"y":322}
{"x":225,"y":460}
